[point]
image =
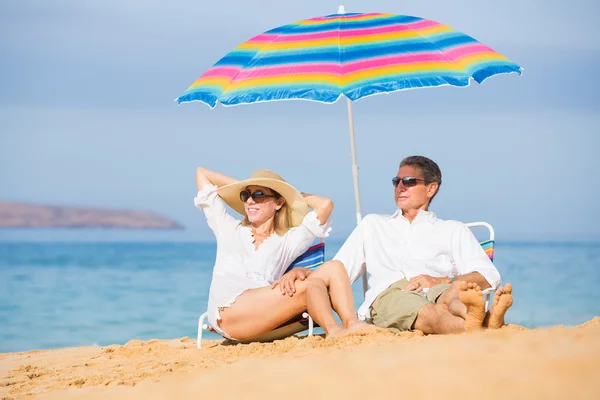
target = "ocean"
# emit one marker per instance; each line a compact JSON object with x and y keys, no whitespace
{"x":64,"y":294}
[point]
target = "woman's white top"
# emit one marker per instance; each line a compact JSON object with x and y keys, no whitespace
{"x":239,"y":265}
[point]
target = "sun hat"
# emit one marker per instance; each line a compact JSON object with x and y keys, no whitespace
{"x":297,"y":208}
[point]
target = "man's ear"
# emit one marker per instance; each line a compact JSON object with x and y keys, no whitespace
{"x":432,"y":189}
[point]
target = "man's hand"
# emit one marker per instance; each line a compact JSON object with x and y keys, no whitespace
{"x":287,"y":282}
{"x":420,"y":282}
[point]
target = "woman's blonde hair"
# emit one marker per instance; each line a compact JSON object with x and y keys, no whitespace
{"x":282,"y":217}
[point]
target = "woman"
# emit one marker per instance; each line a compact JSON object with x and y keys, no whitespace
{"x":246,"y":298}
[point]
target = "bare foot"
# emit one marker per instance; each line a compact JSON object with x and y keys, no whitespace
{"x":354,"y":329}
{"x":471,"y":297}
{"x":502,"y":302}
{"x":360,"y":328}
{"x":335,"y":332}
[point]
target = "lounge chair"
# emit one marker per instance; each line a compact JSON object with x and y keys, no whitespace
{"x":488,"y":247}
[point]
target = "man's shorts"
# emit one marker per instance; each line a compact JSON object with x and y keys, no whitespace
{"x":397,"y":310}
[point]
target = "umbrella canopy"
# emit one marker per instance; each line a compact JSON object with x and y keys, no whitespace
{"x":354,"y":55}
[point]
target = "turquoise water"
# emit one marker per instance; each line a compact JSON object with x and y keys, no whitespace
{"x":71,"y":294}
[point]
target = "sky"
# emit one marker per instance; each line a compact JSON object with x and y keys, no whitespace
{"x":88,"y":117}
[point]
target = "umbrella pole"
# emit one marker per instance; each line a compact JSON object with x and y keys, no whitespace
{"x":354,"y":163}
{"x":365,"y":283}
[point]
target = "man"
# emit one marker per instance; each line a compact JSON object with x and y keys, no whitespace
{"x":424,"y":273}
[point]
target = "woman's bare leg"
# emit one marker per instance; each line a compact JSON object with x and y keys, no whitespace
{"x":335,"y":277}
{"x":318,"y":305}
{"x":258,"y":311}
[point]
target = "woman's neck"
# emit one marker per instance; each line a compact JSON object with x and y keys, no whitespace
{"x":265,"y":229}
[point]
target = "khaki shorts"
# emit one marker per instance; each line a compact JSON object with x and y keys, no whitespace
{"x":397,"y":310}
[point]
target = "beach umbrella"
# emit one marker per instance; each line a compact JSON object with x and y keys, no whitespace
{"x":351,"y":55}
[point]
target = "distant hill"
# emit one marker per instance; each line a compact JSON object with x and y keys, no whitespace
{"x":24,"y":215}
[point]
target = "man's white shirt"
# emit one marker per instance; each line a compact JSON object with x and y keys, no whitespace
{"x":390,"y":248}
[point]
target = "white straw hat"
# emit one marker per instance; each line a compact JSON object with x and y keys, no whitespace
{"x":296,"y":205}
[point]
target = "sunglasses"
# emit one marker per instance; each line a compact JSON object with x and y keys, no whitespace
{"x":258,"y":196}
{"x":407,"y":181}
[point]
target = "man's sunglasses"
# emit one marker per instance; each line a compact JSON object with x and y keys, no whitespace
{"x":407,"y":181}
{"x":258,"y":196}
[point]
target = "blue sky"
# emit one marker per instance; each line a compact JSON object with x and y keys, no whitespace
{"x":87,"y":115}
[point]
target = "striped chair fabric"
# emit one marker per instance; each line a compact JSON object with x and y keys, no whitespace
{"x":488,"y":247}
{"x":312,"y":258}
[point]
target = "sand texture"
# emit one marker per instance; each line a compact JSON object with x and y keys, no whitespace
{"x":511,"y":362}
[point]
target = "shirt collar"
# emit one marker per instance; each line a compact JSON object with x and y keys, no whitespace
{"x":421,"y":216}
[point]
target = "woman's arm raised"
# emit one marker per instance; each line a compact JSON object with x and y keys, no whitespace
{"x":207,"y":177}
{"x":321,"y":205}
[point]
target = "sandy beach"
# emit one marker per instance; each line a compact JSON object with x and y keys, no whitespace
{"x":557,"y":362}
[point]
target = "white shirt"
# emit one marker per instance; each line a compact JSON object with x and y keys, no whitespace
{"x":239,"y":266}
{"x":390,"y":248}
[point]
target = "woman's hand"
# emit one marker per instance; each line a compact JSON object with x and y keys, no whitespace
{"x":321,"y":205}
{"x":287,"y":282}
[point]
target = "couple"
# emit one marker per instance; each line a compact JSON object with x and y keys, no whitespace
{"x":424,"y":273}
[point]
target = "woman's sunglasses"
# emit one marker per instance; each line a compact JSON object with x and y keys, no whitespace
{"x":258,"y":196}
{"x":407,"y":181}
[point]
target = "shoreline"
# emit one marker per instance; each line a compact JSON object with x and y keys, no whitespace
{"x":551,"y":362}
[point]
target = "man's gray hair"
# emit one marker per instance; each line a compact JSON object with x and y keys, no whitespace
{"x":430,"y":170}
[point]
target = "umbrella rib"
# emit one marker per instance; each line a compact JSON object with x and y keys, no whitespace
{"x":340,"y":51}
{"x":453,"y":63}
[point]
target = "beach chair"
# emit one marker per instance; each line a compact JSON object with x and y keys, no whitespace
{"x":488,"y":247}
{"x":310,"y":259}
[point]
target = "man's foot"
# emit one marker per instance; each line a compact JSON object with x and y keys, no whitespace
{"x":470,"y":295}
{"x":502,"y":302}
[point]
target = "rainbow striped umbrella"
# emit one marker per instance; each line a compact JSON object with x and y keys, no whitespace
{"x":350,"y":55}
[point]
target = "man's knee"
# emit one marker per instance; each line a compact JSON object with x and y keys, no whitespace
{"x":425,"y":317}
{"x":444,"y":293}
{"x":397,"y":310}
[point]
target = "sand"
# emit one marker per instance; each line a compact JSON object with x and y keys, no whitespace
{"x":515,"y":362}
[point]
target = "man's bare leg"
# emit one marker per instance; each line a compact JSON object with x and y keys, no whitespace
{"x":436,"y":318}
{"x":502,"y":302}
{"x":450,"y":298}
{"x":468,"y":313}
{"x":465,"y":300}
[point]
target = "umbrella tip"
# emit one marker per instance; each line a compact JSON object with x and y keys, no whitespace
{"x":341,"y":9}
